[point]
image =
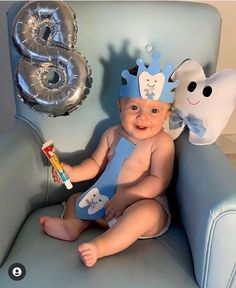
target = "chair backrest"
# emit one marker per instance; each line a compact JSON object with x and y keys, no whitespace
{"x":111,"y":35}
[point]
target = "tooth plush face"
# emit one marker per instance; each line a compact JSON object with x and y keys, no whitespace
{"x":94,"y":200}
{"x":151,"y":85}
{"x":210,"y":99}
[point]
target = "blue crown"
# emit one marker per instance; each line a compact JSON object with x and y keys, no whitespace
{"x":150,"y":83}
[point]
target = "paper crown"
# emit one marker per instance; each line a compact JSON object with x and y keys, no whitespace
{"x":150,"y":82}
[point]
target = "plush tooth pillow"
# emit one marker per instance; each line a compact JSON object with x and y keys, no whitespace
{"x":202,"y":104}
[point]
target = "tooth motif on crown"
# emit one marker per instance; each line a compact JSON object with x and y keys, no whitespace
{"x":151,"y":86}
{"x":150,"y":82}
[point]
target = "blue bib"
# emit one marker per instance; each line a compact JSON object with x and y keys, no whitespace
{"x":90,"y":205}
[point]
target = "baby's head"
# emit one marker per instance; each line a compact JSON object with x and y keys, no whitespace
{"x":145,"y":98}
{"x":141,"y":118}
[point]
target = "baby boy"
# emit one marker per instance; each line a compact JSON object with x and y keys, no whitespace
{"x":139,"y":208}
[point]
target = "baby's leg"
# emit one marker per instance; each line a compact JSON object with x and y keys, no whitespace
{"x":68,"y":228}
{"x":143,"y":218}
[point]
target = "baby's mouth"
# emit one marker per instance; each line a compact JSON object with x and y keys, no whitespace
{"x":141,"y":127}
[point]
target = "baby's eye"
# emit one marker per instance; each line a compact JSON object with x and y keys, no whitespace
{"x":134,"y":107}
{"x":154,"y":110}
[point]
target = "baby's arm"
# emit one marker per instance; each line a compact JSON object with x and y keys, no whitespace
{"x":90,"y":167}
{"x":162,"y":160}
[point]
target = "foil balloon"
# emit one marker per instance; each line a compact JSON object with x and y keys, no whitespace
{"x":52,"y":77}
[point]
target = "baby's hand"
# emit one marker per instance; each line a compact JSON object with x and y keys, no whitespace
{"x":68,"y":170}
{"x":115,"y":207}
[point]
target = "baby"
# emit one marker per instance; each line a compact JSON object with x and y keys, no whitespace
{"x":138,"y":208}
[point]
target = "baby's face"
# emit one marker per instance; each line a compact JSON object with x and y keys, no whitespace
{"x":142,"y":118}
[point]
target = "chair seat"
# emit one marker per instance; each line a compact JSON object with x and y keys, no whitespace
{"x":163,"y":262}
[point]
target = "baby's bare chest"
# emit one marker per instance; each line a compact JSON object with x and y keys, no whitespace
{"x":136,"y":166}
{"x":139,"y":160}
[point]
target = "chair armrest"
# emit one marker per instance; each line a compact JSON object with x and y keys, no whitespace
{"x":206,"y":196}
{"x":23,"y":181}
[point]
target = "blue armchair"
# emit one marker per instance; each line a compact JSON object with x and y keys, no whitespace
{"x":199,"y":250}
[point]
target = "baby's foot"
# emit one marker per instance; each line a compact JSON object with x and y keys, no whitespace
{"x":64,"y":229}
{"x":89,"y":253}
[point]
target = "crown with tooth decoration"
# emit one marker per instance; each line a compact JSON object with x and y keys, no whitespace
{"x":151,"y":82}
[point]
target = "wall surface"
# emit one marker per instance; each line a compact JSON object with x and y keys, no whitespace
{"x":227,"y":53}
{"x":227,"y":59}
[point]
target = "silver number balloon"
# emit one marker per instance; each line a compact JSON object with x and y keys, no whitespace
{"x":52,"y":77}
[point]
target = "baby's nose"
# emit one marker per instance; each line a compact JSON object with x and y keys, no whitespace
{"x":142,"y":114}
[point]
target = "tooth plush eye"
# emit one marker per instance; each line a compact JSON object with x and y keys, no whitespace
{"x":192,"y":86}
{"x":207,"y":91}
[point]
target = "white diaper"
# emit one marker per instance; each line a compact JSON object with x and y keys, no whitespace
{"x":164,"y":203}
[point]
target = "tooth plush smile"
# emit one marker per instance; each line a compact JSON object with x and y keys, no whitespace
{"x":94,"y":202}
{"x":193,"y":103}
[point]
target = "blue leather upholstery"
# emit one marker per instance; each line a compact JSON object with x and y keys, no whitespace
{"x":208,"y":211}
{"x":199,"y":249}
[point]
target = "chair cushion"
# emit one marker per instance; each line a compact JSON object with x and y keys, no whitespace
{"x":161,"y":262}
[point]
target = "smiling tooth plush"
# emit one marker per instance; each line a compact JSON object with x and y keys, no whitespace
{"x":202,"y":104}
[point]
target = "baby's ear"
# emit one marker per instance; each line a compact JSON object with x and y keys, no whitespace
{"x":168,"y":114}
{"x":118,"y":102}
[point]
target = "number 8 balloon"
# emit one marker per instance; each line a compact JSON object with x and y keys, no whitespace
{"x":52,"y":77}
